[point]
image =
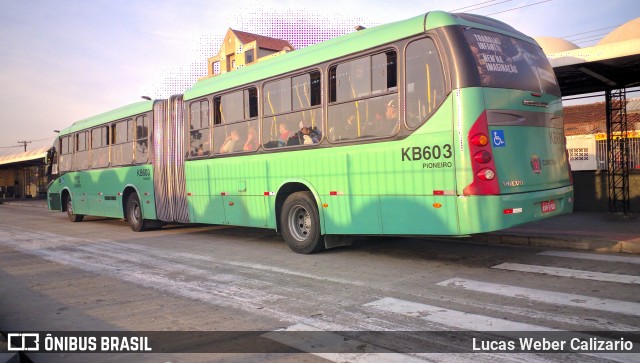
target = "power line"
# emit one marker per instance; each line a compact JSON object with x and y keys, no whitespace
{"x":9,"y":151}
{"x":519,"y":7}
{"x":590,"y":31}
{"x":486,"y":6}
{"x":20,"y":142}
{"x":24,"y":144}
{"x":578,"y":40}
{"x":466,"y":8}
{"x":590,"y":37}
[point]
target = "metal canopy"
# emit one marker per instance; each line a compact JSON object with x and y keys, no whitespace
{"x":33,"y":157}
{"x":599,"y":76}
{"x":611,"y":68}
{"x":599,"y":68}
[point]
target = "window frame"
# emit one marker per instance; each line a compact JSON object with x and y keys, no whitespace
{"x":444,"y":70}
{"x":130,"y":121}
{"x":84,"y":152}
{"x":137,"y":139}
{"x":370,"y":95}
{"x":105,"y":143}
{"x":67,"y":145}
{"x":209,"y":122}
{"x":318,"y":107}
{"x":250,"y":113}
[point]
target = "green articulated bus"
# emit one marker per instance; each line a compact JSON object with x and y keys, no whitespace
{"x":442,"y":124}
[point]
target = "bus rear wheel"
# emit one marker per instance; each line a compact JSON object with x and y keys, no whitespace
{"x":70,"y":213}
{"x":134,"y":213}
{"x":300,"y":223}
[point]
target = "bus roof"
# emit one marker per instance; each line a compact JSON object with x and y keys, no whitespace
{"x":314,"y":54}
{"x":119,"y":113}
{"x":344,"y":45}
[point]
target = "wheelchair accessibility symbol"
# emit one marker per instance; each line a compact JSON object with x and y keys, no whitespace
{"x":497,"y":138}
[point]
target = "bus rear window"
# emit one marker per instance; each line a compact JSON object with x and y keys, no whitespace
{"x":506,"y":62}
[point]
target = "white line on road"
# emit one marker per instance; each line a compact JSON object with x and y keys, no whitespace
{"x":474,"y":322}
{"x":566,"y":272}
{"x":451,"y":318}
{"x":338,"y":343}
{"x":592,"y":256}
{"x":341,"y":343}
{"x":549,"y":297}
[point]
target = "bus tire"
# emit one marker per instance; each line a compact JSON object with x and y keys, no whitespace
{"x":300,"y":223}
{"x":134,"y":213}
{"x":70,"y":214}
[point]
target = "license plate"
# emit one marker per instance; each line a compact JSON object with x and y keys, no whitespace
{"x":548,"y":206}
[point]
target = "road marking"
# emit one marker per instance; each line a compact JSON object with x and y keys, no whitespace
{"x":592,"y":256}
{"x":337,"y":343}
{"x":186,"y":275}
{"x":566,"y":272}
{"x":451,"y":318}
{"x":549,"y":297}
{"x":341,"y":343}
{"x":473,"y":322}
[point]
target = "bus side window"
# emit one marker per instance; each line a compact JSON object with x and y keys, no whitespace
{"x":361,"y":93}
{"x":292,"y":111}
{"x":425,"y":88}
{"x":81,"y":157}
{"x":235,"y":126}
{"x":122,"y":148}
{"x":100,"y":147}
{"x":199,"y":131}
{"x":65,"y":156}
{"x":142,"y":139}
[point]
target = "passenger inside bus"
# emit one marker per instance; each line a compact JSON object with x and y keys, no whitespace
{"x":252,"y":140}
{"x":230,"y":142}
{"x":389,"y":125}
{"x":284,"y":134}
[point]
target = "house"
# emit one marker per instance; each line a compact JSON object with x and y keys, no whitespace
{"x":241,"y":48}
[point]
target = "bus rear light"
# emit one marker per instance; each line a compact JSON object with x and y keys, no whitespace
{"x":479,"y":140}
{"x":486,"y":174}
{"x":482,"y":157}
{"x":485,"y":181}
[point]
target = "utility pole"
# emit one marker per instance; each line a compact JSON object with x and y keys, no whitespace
{"x":24,"y":143}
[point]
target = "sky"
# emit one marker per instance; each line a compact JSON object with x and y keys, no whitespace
{"x":65,"y":60}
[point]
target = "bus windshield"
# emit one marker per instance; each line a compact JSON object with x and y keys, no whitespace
{"x":506,"y":62}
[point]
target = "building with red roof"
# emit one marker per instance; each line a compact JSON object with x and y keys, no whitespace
{"x":240,"y":48}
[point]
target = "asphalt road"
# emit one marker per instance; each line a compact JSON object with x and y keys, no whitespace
{"x":98,"y":275}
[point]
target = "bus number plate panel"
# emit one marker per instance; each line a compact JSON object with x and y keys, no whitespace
{"x":548,"y":206}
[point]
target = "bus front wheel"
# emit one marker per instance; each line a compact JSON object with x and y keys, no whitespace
{"x":73,"y":217}
{"x":134,"y":213}
{"x":300,"y":223}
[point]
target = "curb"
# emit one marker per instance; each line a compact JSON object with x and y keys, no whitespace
{"x":575,"y":243}
{"x":25,"y":204}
